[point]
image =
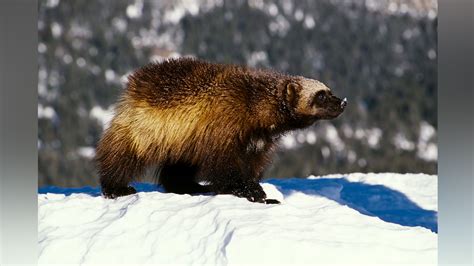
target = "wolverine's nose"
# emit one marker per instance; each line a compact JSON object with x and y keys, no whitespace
{"x":343,"y":103}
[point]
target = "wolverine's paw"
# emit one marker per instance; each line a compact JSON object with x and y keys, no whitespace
{"x":251,"y":191}
{"x":118,"y":192}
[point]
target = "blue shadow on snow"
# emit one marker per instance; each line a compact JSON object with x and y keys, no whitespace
{"x":95,"y":191}
{"x":373,"y":200}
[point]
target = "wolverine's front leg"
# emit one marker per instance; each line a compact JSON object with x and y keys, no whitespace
{"x":250,"y":190}
{"x":233,"y":177}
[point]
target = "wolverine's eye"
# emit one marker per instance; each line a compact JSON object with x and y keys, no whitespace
{"x":321,"y":97}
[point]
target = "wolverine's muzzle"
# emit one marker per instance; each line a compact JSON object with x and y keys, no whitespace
{"x":332,"y":107}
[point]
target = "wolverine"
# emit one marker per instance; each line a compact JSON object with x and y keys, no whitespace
{"x":206,"y":127}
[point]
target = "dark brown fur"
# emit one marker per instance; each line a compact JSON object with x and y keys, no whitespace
{"x":198,"y":121}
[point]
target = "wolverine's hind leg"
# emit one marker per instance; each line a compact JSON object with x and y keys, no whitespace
{"x":179,"y":178}
{"x":117,"y":168}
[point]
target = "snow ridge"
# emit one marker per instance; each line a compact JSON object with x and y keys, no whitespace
{"x":355,"y":218}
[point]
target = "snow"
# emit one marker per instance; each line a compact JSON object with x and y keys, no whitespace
{"x":325,"y":151}
{"x":279,"y":25}
{"x":120,"y":24}
{"x":333,"y":137}
{"x":431,"y":54}
{"x":109,"y":75}
{"x":346,"y":219}
{"x":329,"y":133}
{"x":135,"y":10}
{"x":351,"y":156}
{"x":46,"y":112}
{"x":180,"y":9}
{"x":287,"y":7}
{"x":427,"y":131}
{"x":427,"y":150}
{"x":81,"y":62}
{"x":299,"y":15}
{"x":52,"y":3}
{"x":432,"y":14}
{"x":86,"y":152}
{"x":56,"y":29}
{"x":257,"y":57}
{"x":67,"y":59}
{"x":362,"y":162}
{"x":311,"y":137}
{"x":79,"y":31}
{"x":272,"y":9}
{"x":401,"y":142}
{"x":104,"y":116}
{"x":415,"y":8}
{"x":373,"y":137}
{"x":309,"y":22}
{"x":288,"y":141}
{"x":42,"y":48}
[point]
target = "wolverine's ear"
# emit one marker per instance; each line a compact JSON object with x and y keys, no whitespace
{"x":291,"y":91}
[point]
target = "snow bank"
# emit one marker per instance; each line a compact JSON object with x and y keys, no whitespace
{"x":351,"y":219}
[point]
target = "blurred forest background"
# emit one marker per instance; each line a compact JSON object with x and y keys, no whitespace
{"x":381,"y":55}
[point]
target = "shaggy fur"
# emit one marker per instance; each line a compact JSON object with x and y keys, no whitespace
{"x":198,"y":121}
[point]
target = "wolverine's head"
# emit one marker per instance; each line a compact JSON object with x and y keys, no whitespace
{"x":310,"y":100}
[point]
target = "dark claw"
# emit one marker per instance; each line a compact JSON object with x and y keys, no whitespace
{"x":272,"y":201}
{"x":118,"y":192}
